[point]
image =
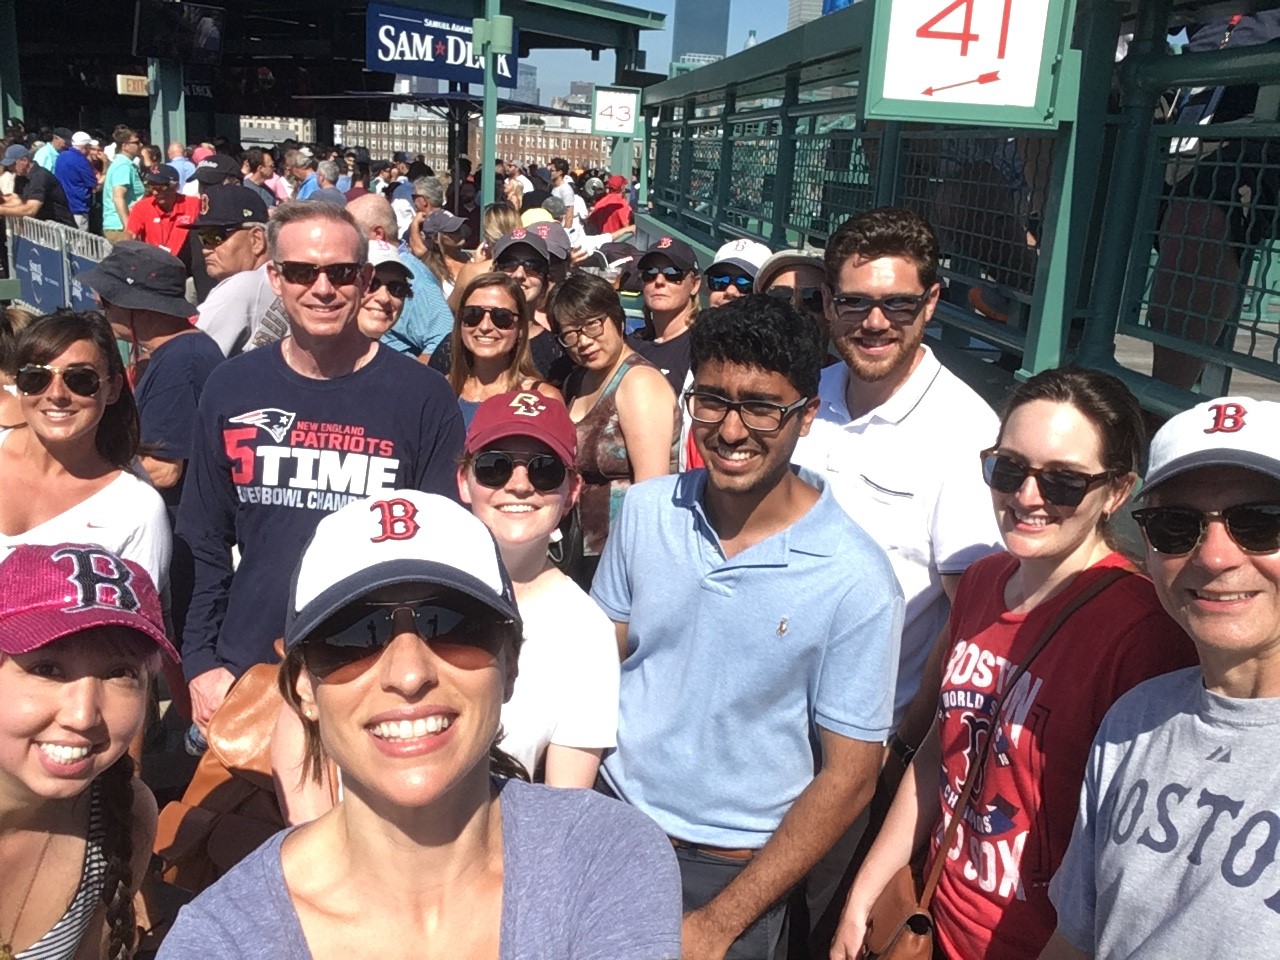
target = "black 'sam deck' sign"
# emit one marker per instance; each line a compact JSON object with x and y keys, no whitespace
{"x":422,"y":44}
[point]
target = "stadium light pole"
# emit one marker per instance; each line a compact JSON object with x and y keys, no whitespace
{"x":493,"y":33}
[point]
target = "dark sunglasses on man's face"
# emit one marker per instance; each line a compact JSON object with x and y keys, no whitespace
{"x":500,"y":317}
{"x":670,"y":274}
{"x":305,"y":274}
{"x":1176,"y":531}
{"x":35,"y":378}
{"x":1062,"y":488}
{"x":722,"y":282}
{"x":350,"y":642}
{"x":400,"y":289}
{"x":897,"y":308}
{"x":213,"y":237}
{"x":493,"y":468}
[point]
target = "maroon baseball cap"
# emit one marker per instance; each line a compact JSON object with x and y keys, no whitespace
{"x":51,"y":592}
{"x":525,"y":413}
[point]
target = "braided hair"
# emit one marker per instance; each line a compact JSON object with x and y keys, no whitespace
{"x":117,"y":885}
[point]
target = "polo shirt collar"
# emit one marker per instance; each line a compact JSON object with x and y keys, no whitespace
{"x":898,"y":406}
{"x":818,"y":533}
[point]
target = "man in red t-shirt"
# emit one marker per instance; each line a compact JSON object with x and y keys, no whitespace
{"x":612,"y":212}
{"x":164,"y":216}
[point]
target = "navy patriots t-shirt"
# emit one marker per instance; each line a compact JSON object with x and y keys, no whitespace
{"x":274,"y":452}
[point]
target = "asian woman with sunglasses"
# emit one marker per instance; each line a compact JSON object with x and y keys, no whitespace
{"x":69,"y":476}
{"x":402,"y":644}
{"x":1065,"y":462}
{"x":489,"y":346}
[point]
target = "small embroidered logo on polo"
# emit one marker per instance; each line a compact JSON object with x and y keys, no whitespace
{"x":782,"y":627}
{"x":1220,"y":755}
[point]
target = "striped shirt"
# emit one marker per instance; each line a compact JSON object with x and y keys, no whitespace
{"x":63,"y":940}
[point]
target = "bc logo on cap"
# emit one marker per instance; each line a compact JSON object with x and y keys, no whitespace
{"x":101,"y":580}
{"x":527,"y":405}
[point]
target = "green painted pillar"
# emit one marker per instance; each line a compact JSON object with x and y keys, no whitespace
{"x":168,"y":101}
{"x":10,"y":74}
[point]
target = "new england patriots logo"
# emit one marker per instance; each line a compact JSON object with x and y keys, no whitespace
{"x":273,"y":420}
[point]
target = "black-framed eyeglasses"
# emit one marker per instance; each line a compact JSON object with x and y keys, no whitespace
{"x":500,"y":317}
{"x":35,"y":378}
{"x":721,"y":282}
{"x":348,"y":643}
{"x":532,"y":267}
{"x":1176,"y":531}
{"x":591,"y":329}
{"x":1062,"y":488}
{"x":810,"y":297}
{"x":213,"y":237}
{"x":668,"y":273}
{"x":400,"y":289}
{"x":305,"y":274}
{"x":759,"y":415}
{"x":897,"y":307}
{"x":493,"y":468}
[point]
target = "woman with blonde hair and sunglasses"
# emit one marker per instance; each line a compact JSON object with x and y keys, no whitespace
{"x":1064,"y":463}
{"x":402,"y":643}
{"x":69,"y":476}
{"x":488,"y":349}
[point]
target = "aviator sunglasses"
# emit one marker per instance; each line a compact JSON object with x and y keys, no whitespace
{"x":1062,"y":488}
{"x":34,"y":378}
{"x":493,"y":468}
{"x":305,"y":274}
{"x":500,"y":317}
{"x":1176,"y":531}
{"x":348,"y":643}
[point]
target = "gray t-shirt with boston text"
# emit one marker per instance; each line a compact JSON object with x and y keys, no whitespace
{"x":1175,"y":844}
{"x":584,"y":878}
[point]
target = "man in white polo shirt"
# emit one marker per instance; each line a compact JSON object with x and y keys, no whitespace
{"x":897,"y":434}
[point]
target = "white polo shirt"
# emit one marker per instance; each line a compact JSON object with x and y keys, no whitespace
{"x":908,"y":473}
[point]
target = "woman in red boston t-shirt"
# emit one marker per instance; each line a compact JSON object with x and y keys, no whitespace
{"x":1065,"y":462}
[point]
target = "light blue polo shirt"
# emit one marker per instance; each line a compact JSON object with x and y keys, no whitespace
{"x":734,"y":664}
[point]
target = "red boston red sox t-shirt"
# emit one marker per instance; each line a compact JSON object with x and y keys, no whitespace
{"x":992,"y":901}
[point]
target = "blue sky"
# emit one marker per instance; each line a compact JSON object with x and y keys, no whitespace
{"x":556,"y":68}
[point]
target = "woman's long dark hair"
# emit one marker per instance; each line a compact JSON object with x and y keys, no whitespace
{"x":118,"y":433}
{"x":117,"y":885}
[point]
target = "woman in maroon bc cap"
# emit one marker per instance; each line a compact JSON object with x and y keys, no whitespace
{"x":81,"y":635}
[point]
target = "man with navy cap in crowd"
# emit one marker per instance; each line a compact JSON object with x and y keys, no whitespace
{"x":37,"y":192}
{"x":164,"y":216}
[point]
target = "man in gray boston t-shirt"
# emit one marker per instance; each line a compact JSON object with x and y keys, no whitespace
{"x":1175,"y":845}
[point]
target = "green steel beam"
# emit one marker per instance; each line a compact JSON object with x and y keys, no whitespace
{"x":619,"y":13}
{"x":168,"y":101}
{"x":10,"y":75}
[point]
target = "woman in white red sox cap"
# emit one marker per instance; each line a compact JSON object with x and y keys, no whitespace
{"x":81,"y":635}
{"x":402,"y":644}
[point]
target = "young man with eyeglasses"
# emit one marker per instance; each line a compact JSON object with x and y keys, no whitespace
{"x":1174,"y":849}
{"x":759,"y":630}
{"x":291,"y":432}
{"x":164,"y":216}
{"x":733,"y":272}
{"x":122,"y":187}
{"x":670,"y":278}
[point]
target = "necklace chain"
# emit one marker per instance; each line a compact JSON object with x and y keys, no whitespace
{"x":6,"y":948}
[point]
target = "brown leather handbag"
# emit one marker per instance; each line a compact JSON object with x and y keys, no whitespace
{"x":230,"y":806}
{"x":899,"y":926}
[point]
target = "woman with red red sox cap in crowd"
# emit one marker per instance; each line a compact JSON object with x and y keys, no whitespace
{"x":402,"y":643}
{"x":81,"y":635}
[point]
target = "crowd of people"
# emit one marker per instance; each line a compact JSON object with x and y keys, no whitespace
{"x":674,"y":637}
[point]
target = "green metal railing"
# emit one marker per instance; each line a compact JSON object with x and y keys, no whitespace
{"x":1065,"y":239}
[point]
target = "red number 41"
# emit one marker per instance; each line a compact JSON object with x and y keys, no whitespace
{"x":965,"y":35}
